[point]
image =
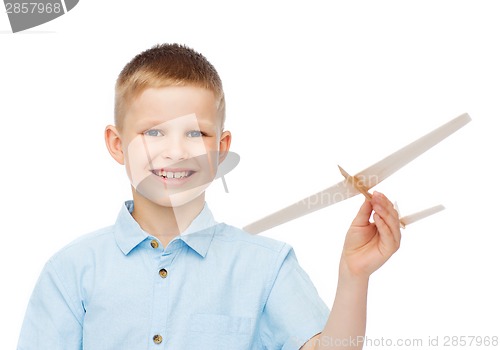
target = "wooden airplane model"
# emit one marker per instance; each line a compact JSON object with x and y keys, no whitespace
{"x":363,"y":181}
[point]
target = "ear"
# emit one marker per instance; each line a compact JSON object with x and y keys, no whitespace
{"x":114,"y":143}
{"x":224,"y":144}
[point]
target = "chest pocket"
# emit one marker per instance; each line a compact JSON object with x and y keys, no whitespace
{"x":212,"y":331}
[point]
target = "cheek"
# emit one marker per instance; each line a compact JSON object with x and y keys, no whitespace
{"x":136,"y":161}
{"x":197,"y":147}
{"x":208,"y":163}
{"x":212,"y":154}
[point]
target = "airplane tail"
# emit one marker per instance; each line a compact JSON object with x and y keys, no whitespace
{"x":409,"y":219}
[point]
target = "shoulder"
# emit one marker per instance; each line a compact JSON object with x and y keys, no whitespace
{"x":246,"y":248}
{"x":72,"y":269}
{"x":234,"y":234}
{"x":87,"y":244}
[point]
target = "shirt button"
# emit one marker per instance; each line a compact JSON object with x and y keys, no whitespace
{"x":157,"y":339}
{"x":154,"y":244}
{"x":163,"y":273}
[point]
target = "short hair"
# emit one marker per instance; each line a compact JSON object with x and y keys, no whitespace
{"x":166,"y":65}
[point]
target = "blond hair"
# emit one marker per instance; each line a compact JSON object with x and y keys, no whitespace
{"x":161,"y":66}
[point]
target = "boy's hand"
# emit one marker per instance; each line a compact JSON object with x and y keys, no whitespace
{"x":368,"y":245}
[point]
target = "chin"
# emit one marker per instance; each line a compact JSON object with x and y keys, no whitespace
{"x":176,"y":199}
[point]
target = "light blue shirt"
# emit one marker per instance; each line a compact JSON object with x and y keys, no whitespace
{"x":213,"y":287}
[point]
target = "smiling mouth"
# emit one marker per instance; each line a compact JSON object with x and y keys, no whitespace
{"x":172,"y":174}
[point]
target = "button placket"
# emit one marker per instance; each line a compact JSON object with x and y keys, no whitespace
{"x":160,"y":312}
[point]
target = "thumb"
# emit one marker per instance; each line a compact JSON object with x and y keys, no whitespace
{"x":363,"y":216}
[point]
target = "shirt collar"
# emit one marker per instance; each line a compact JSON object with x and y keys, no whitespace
{"x":200,"y":233}
{"x":197,"y":236}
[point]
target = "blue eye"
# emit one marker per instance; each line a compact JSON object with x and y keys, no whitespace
{"x":153,"y":132}
{"x":195,"y":133}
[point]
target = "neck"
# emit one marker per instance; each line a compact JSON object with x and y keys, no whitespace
{"x":163,"y":222}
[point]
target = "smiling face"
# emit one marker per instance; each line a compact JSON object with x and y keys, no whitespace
{"x":171,"y":143}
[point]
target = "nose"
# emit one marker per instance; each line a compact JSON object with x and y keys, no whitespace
{"x":175,"y":148}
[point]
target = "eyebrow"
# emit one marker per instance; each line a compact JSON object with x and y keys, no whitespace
{"x":154,"y":122}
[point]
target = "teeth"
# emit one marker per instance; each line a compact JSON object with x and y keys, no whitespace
{"x":171,"y":174}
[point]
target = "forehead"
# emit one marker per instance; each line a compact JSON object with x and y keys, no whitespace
{"x":155,"y":106}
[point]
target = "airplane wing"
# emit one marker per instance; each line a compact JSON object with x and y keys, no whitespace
{"x":371,"y":176}
{"x":389,"y":165}
{"x":322,"y":199}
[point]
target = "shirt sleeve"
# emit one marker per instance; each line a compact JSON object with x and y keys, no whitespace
{"x":294,"y":312}
{"x":53,"y":319}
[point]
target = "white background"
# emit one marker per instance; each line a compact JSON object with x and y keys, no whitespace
{"x":309,"y":85}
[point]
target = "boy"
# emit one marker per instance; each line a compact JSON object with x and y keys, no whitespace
{"x":166,"y":275}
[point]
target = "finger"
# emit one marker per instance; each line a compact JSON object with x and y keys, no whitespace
{"x":385,"y":209}
{"x":387,"y":222}
{"x":386,"y":205}
{"x":363,"y":216}
{"x":389,"y":243}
